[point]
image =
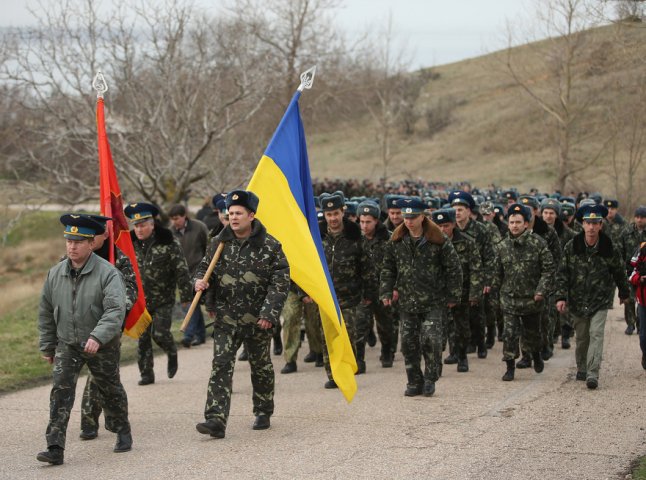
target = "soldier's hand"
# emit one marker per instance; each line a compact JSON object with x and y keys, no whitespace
{"x":538,"y":298}
{"x":486,"y":290}
{"x":91,"y":346}
{"x":201,"y":285}
{"x":561,"y":306}
{"x":49,"y":359}
{"x":307,"y":300}
{"x":387,"y":302}
{"x":264,"y":324}
{"x":395,"y":296}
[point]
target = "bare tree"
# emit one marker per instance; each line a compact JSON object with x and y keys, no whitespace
{"x":551,"y":74}
{"x":180,"y":84}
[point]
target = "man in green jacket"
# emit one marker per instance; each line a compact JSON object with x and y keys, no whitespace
{"x":82,"y":307}
{"x":421,"y":271}
{"x":588,"y":273}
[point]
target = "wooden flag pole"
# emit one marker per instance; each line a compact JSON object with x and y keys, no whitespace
{"x":198,"y":295}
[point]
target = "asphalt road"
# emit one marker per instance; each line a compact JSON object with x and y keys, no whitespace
{"x":540,"y":426}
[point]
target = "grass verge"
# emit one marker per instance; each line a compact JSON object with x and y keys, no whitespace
{"x":639,"y":472}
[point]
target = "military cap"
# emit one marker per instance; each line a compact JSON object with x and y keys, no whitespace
{"x":368,"y":207}
{"x":358,"y":200}
{"x":498,"y":209}
{"x":317,"y":202}
{"x":611,"y":203}
{"x":486,"y":208}
{"x":443,"y":216}
{"x":567,"y":209}
{"x":555,"y":195}
{"x":216,"y":198}
{"x":392,"y":201}
{"x":478,"y":199}
{"x":586,"y":202}
{"x":510,"y":195}
{"x":139,"y":212}
{"x":552,"y":204}
{"x":411,"y":206}
{"x":592,"y":213}
{"x":433,"y":202}
{"x":518,"y":209}
{"x":351,"y":208}
{"x":528,"y":201}
{"x":571,"y":200}
{"x":80,"y":227}
{"x":458,"y":197}
{"x":640,"y":211}
{"x":100,"y":219}
{"x":596,"y":196}
{"x":244,"y":198}
{"x":221,"y":205}
{"x":332,"y":201}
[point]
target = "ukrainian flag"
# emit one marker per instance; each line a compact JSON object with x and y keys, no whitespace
{"x":283,"y":184}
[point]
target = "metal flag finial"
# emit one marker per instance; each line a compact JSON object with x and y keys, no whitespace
{"x":307,"y":79}
{"x":99,"y":84}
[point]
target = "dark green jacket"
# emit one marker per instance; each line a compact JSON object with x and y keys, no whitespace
{"x":525,"y":268}
{"x":587,"y":276}
{"x":631,"y":238}
{"x":345,"y":260}
{"x":162,"y":267}
{"x":564,"y":233}
{"x":481,"y":235}
{"x":373,"y":250}
{"x":547,"y":233}
{"x":471,"y":266}
{"x":426,"y":273}
{"x":250,"y":280}
{"x":74,"y":308}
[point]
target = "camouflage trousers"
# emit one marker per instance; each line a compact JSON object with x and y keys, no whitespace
{"x":526,"y":326}
{"x":422,"y":336}
{"x":630,"y":313}
{"x":90,"y":405}
{"x":292,"y":315}
{"x":367,"y":314}
{"x":226,"y":342}
{"x":104,"y":366}
{"x":350,"y":319}
{"x":493,"y":314}
{"x":477,"y":323}
{"x":159,"y":331}
{"x":457,"y":331}
{"x":313,"y":327}
{"x":589,"y":342}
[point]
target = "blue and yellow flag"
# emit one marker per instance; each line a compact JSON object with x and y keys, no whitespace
{"x":283,"y":184}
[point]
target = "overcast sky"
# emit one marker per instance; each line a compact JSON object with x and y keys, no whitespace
{"x":436,"y":31}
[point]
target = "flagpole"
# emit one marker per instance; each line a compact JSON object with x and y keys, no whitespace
{"x":307,"y":79}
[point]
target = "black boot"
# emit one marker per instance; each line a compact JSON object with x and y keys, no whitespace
{"x":463,"y":364}
{"x":319,"y":360}
{"x":310,"y":357}
{"x":243,"y":355}
{"x":124,"y":442}
{"x":212,"y":427}
{"x":172,"y":364}
{"x":386,"y":358}
{"x":511,"y":369}
{"x":53,"y":455}
{"x":278,"y":345}
{"x":290,"y":367}
{"x":565,"y":342}
{"x":491,"y":338}
{"x":361,"y":353}
{"x":547,"y":353}
{"x":538,"y":362}
{"x":524,"y":362}
{"x":482,"y":350}
{"x":452,"y":359}
{"x":372,"y":338}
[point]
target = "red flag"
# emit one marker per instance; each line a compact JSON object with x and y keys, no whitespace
{"x":138,"y":318}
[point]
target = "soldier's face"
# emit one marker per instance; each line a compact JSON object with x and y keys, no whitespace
{"x":240,"y":220}
{"x":612,"y":213}
{"x":368,"y":224}
{"x":224,"y":217}
{"x":414,"y":223}
{"x":99,"y":240}
{"x":549,"y":216}
{"x":143,"y":230}
{"x":334,"y":219}
{"x":592,"y":229}
{"x":462,"y":213}
{"x":517,"y":224}
{"x":178,"y":221}
{"x":447,"y":228}
{"x":78,"y":250}
{"x":395,"y":216}
{"x":640,"y":222}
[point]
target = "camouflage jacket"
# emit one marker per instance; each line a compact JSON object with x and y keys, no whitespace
{"x":345,"y":260}
{"x":564,"y":233}
{"x":587,"y":276}
{"x":525,"y":268}
{"x":425,"y":272}
{"x":615,"y":228}
{"x":547,"y":233}
{"x":250,"y":280}
{"x":373,"y":250}
{"x":494,"y":232}
{"x":481,"y":235}
{"x":471,"y":265}
{"x":162,"y":267}
{"x":630,"y":240}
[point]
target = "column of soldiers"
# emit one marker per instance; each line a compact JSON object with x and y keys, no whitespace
{"x":444,"y":272}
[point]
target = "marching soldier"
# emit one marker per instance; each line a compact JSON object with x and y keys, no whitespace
{"x":394,"y":212}
{"x":457,"y":331}
{"x":525,"y":275}
{"x":245,"y":295}
{"x":82,"y":307}
{"x":162,"y":267}
{"x":422,"y":272}
{"x":91,"y":404}
{"x":590,"y":269}
{"x":630,"y":239}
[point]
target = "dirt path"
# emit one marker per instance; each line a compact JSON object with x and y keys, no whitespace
{"x":542,"y":426}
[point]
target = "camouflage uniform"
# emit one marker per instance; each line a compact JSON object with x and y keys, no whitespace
{"x":75,"y":306}
{"x":427,"y":275}
{"x":630,"y":239}
{"x":585,"y":277}
{"x":162,"y":267}
{"x":91,"y":403}
{"x":564,"y":322}
{"x":549,"y":317}
{"x":366,"y":312}
{"x":250,"y":282}
{"x":292,"y":316}
{"x":526,"y":268}
{"x":457,"y":330}
{"x":491,"y":301}
{"x":344,"y":259}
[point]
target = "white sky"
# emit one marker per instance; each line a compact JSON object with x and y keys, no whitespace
{"x":435,"y":31}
